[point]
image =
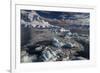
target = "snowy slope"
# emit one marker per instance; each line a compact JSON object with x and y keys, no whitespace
{"x":35,"y":20}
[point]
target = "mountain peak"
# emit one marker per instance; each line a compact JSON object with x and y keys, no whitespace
{"x":33,"y":15}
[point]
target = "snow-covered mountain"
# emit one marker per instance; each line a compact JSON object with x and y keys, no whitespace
{"x":42,"y":19}
{"x":35,"y":20}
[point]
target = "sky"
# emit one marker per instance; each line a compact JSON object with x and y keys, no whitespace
{"x":60,"y":15}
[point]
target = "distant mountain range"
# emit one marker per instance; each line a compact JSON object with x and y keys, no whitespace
{"x":65,"y":18}
{"x":49,"y":18}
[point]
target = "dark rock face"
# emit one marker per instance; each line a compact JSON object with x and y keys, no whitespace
{"x":86,"y":51}
{"x":25,"y":35}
